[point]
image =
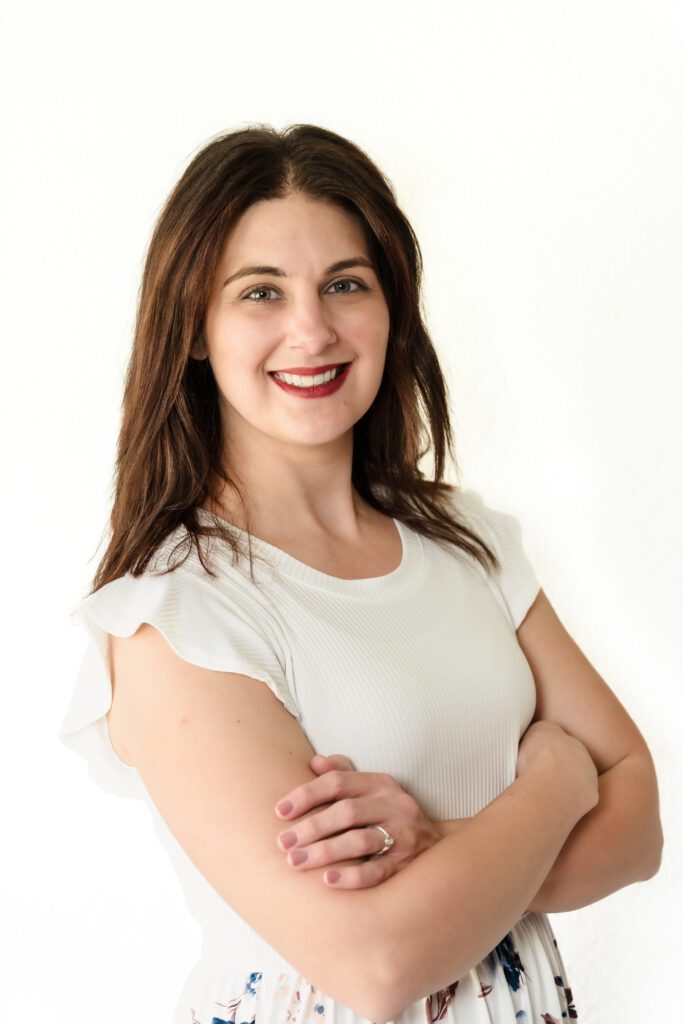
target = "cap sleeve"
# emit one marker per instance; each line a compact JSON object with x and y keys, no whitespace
{"x":515,"y":582}
{"x":215,"y":624}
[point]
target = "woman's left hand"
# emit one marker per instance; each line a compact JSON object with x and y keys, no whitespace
{"x":340,"y":832}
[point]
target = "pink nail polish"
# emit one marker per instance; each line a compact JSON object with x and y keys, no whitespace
{"x":284,"y":807}
{"x":288,"y":839}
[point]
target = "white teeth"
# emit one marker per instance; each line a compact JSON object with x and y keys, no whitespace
{"x":307,"y":382}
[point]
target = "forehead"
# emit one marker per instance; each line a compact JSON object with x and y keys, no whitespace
{"x":296,"y":225}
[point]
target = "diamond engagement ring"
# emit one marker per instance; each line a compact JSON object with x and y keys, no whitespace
{"x":388,"y":840}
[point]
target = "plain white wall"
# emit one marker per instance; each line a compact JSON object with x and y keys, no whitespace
{"x":537,"y":149}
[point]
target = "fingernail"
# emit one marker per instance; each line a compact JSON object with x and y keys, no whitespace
{"x":284,"y":807}
{"x":288,"y":839}
{"x":298,"y":856}
{"x":333,"y":876}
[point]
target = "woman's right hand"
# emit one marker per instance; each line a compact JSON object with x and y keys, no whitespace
{"x":565,"y":756}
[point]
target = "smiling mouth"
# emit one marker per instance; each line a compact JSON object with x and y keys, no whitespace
{"x":312,"y":371}
{"x":283,"y":375}
{"x":312,"y":385}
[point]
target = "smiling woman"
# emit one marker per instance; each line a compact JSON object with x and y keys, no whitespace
{"x":278,"y":405}
{"x":306,"y":326}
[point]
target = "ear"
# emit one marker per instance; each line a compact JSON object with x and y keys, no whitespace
{"x":198,"y":350}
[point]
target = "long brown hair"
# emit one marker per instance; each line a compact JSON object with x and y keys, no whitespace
{"x":170,"y":447}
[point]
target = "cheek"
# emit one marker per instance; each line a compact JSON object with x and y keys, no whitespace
{"x":242,"y":351}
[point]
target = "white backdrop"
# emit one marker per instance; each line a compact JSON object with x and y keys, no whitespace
{"x":537,"y":149}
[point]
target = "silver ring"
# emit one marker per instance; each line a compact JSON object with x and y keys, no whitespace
{"x":388,"y":840}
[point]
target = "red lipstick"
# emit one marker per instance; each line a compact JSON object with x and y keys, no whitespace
{"x":315,"y":390}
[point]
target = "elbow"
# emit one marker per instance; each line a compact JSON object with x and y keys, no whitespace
{"x":400,"y":985}
{"x":379,"y":1012}
{"x":654,"y":861}
{"x":385,"y":1007}
{"x":368,"y":983}
{"x":384,"y":1003}
{"x":362,"y":989}
{"x":376,"y":1006}
{"x":389,"y":996}
{"x":410,"y":969}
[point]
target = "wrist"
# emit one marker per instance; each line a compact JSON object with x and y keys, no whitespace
{"x":437,"y":826}
{"x":550,"y":794}
{"x":448,"y":826}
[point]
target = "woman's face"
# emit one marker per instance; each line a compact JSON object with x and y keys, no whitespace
{"x":296,"y":312}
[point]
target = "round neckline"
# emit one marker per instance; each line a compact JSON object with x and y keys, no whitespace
{"x":404,"y":573}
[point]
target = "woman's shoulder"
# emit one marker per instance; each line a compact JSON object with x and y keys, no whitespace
{"x":515,"y":579}
{"x":192,"y":596}
{"x":216,"y":622}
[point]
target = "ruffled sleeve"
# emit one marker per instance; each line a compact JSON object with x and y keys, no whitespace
{"x":215,"y":624}
{"x":515,"y":585}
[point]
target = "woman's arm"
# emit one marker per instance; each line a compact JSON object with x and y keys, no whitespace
{"x":621,"y":840}
{"x":450,"y":906}
{"x":190,"y":732}
{"x":420,"y":959}
{"x":616,"y":844}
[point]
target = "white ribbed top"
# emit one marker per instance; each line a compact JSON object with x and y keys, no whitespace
{"x":417,"y":673}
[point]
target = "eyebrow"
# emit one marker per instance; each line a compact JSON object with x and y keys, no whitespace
{"x":354,"y":261}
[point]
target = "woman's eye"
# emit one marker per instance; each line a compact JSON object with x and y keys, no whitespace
{"x":347,"y":280}
{"x":264,"y":288}
{"x":259,"y":289}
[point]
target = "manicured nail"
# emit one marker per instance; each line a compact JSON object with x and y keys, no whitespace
{"x":333,"y":876}
{"x":298,"y":856}
{"x":288,"y":839}
{"x":284,"y":807}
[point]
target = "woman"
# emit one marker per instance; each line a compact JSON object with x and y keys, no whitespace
{"x":281,"y":393}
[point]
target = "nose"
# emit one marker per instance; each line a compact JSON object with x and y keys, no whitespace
{"x":310,"y":327}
